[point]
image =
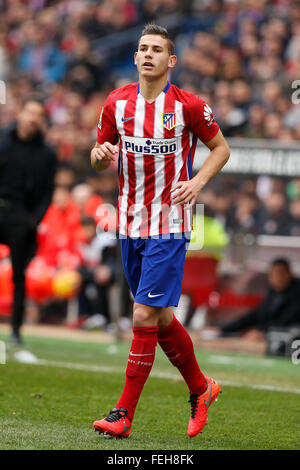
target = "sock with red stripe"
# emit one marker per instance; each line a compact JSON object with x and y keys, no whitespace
{"x":140,"y":361}
{"x":178,"y":347}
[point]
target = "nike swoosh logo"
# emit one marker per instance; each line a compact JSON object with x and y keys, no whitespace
{"x":208,"y":400}
{"x":132,"y":354}
{"x":127,"y":119}
{"x":154,"y":295}
{"x":125,"y":429}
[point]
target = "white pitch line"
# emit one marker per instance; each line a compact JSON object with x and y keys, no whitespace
{"x":268,"y":388}
{"x":241,"y":361}
{"x":158,"y":375}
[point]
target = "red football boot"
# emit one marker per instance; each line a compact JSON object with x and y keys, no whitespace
{"x":200,"y":405}
{"x":116,"y":423}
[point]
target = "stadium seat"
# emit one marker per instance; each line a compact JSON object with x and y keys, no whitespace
{"x":200,"y":278}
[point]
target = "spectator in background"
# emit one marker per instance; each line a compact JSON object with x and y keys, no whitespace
{"x":98,"y":269}
{"x":280,"y":308}
{"x":274,"y":219}
{"x":241,"y":95}
{"x":272,"y":125}
{"x":254,"y":126}
{"x":270,"y":95}
{"x":91,"y":204}
{"x":59,"y":231}
{"x":27,"y":168}
{"x":106,"y":185}
{"x":65,"y":176}
{"x":243,"y":216}
{"x":82,"y":194}
{"x":86,"y":71}
{"x":294,"y":224}
{"x":39,"y":57}
{"x":222,"y":199}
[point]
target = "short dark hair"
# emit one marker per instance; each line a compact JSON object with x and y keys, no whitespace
{"x":152,"y":28}
{"x":34,"y":98}
{"x":283,"y":261}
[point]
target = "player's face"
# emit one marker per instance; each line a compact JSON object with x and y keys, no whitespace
{"x":153,"y":58}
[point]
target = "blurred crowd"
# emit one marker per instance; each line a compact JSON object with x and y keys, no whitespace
{"x":258,"y":205}
{"x":243,"y":62}
{"x":240,"y":56}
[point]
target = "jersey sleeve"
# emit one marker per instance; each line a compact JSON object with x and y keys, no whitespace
{"x":107,"y":129}
{"x":202,"y":122}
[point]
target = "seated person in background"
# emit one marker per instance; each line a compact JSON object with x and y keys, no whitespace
{"x":58,"y":229}
{"x":99,"y":262}
{"x":280,"y":308}
{"x":65,"y":176}
{"x":87,"y":201}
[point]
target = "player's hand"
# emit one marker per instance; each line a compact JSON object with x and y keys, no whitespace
{"x":105,"y":152}
{"x":185,"y":192}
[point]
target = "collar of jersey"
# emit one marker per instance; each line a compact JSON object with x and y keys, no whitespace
{"x":165,"y":90}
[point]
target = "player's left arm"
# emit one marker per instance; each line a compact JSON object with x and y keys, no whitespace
{"x":188,"y":191}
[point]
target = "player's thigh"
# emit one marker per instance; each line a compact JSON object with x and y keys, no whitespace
{"x":162,"y":272}
{"x":131,"y":258}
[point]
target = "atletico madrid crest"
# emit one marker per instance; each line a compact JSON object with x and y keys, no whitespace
{"x":169,"y":120}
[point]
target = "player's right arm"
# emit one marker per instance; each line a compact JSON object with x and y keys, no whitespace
{"x":105,"y":150}
{"x":102,"y":155}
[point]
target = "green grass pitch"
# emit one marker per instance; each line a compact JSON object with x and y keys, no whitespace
{"x":52,"y":405}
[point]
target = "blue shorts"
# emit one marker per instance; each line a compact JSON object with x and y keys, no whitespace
{"x":154,"y":268}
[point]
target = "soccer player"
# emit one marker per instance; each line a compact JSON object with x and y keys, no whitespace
{"x":153,"y":127}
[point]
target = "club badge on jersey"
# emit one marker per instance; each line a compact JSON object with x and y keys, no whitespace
{"x":169,"y":120}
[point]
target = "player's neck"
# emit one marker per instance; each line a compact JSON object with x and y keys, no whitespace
{"x":151,"y":89}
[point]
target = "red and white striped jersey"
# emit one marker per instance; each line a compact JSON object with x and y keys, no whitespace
{"x":157,"y":144}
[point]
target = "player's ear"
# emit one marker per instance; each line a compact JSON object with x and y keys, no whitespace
{"x":172,"y":61}
{"x":135,"y":54}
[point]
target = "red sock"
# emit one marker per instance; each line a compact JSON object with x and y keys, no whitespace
{"x":177,"y":345}
{"x":140,"y":361}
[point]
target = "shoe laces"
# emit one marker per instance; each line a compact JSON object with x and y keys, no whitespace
{"x":116,"y":414}
{"x":194,"y":404}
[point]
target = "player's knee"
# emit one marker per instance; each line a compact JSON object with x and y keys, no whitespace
{"x":144,"y":316}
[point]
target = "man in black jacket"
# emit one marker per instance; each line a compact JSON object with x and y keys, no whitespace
{"x":27,"y":169}
{"x":280,"y":308}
